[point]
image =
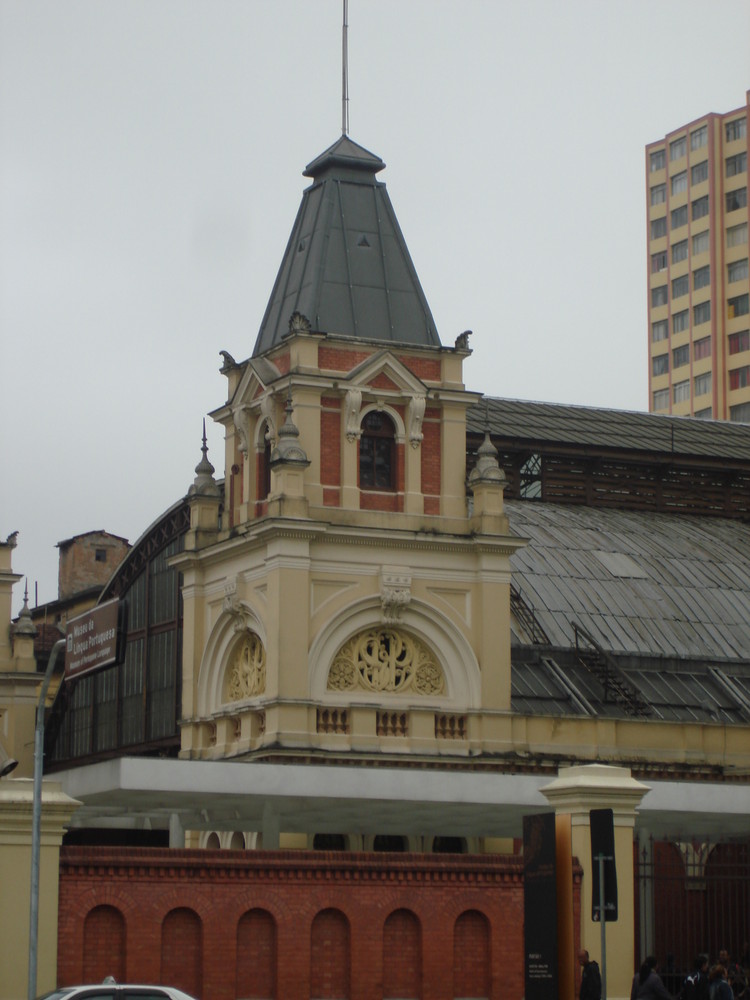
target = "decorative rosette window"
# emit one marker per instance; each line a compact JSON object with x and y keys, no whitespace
{"x":246,"y":673}
{"x":386,"y":659}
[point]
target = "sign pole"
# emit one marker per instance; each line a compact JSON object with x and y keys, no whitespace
{"x":602,"y":926}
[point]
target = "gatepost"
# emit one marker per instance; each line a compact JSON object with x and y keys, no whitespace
{"x":576,"y":791}
{"x":16,"y":807}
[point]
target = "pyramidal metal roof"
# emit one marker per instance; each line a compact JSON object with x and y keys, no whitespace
{"x":346,"y":266}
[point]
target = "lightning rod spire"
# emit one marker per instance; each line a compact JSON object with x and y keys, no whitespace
{"x":345,"y":71}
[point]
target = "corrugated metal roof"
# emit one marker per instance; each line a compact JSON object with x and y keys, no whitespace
{"x":693,"y":599}
{"x":346,"y":266}
{"x":557,"y":423}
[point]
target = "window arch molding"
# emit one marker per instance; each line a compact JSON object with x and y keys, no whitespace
{"x":236,"y":619}
{"x":449,"y":646}
{"x":389,"y":411}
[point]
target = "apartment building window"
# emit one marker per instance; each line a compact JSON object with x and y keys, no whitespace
{"x":740,"y":414}
{"x":699,"y":137}
{"x":737,"y":235}
{"x":659,"y":330}
{"x":736,"y":164}
{"x":659,"y":296}
{"x":661,"y":399}
{"x":701,"y":313}
{"x":680,"y":321}
{"x":681,"y":356}
{"x":679,"y":217}
{"x":702,"y":384}
{"x":736,"y":199}
{"x":681,"y":391}
{"x":679,"y":182}
{"x":700,"y":207}
{"x":658,"y":194}
{"x":739,"y":378}
{"x":660,"y":364}
{"x":680,"y":286}
{"x":737,"y":271}
{"x":657,"y":160}
{"x":738,"y":306}
{"x":658,"y":228}
{"x":736,"y":129}
{"x":677,"y":149}
{"x":701,"y":242}
{"x":702,"y":277}
{"x":702,"y":349}
{"x":658,"y":261}
{"x":739,"y":342}
{"x":699,"y":172}
{"x":679,"y":251}
{"x":704,"y":414}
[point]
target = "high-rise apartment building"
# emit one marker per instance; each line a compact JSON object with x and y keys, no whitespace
{"x":698,"y":287}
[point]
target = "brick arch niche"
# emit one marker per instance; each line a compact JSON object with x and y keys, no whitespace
{"x":182,"y":950}
{"x":330,"y":956}
{"x":402,"y":956}
{"x":256,"y":955}
{"x":104,"y":945}
{"x":472,"y":965}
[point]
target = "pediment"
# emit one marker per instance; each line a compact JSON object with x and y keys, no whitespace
{"x":383,"y":371}
{"x":258,"y":375}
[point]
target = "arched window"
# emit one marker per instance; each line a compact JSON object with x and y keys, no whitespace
{"x":377,"y":452}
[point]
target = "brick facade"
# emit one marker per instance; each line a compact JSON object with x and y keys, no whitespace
{"x":223,"y":925}
{"x":88,"y":560}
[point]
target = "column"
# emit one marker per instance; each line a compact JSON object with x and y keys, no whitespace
{"x":576,"y":791}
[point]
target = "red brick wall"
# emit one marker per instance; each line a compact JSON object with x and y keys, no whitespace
{"x":426,"y":368}
{"x":294,"y":925}
{"x":336,"y":359}
{"x":330,"y":442}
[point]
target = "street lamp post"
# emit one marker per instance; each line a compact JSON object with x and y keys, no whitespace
{"x":36,"y":821}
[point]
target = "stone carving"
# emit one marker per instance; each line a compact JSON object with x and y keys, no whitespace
{"x":247,"y":669}
{"x":299,"y":323}
{"x":353,"y":407}
{"x":386,"y":660}
{"x":416,"y":415}
{"x":395,"y":592}
{"x":267,"y":414}
{"x":241,"y":425}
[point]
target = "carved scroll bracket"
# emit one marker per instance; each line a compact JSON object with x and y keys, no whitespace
{"x":416,"y":415}
{"x":353,"y":407}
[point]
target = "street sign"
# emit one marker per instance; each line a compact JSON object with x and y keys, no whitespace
{"x":95,"y":639}
{"x":603,"y":870}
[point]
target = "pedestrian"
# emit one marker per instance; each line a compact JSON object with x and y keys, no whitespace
{"x":719,"y":988}
{"x":695,"y":985}
{"x":647,"y":984}
{"x":591,"y":980}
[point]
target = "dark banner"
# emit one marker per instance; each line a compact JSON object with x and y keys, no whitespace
{"x":540,"y":907}
{"x":603,"y":844}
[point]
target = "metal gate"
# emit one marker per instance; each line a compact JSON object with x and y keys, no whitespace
{"x":690,"y":898}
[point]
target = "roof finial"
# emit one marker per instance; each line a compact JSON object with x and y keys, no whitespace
{"x":204,"y":482}
{"x":345,"y":71}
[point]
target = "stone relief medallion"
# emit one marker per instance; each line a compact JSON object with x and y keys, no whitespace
{"x":384,"y":659}
{"x":247,"y":668}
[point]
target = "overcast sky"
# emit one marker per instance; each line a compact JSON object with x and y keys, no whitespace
{"x":151,"y":157}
